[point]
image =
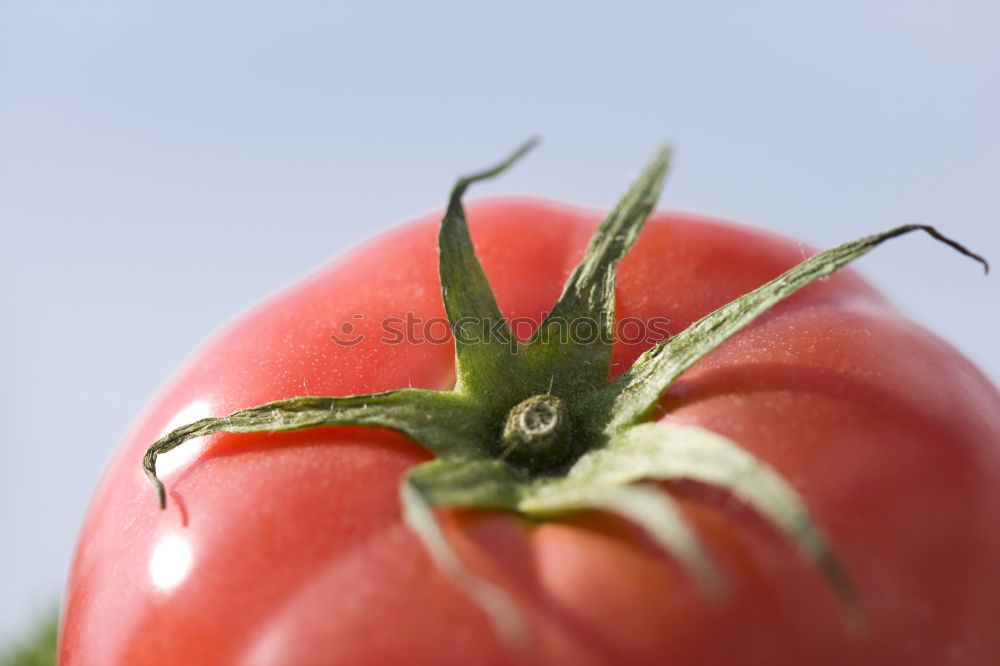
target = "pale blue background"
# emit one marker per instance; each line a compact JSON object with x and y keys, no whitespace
{"x":165,"y":164}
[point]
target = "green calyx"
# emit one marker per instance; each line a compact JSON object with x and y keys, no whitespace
{"x":536,"y":427}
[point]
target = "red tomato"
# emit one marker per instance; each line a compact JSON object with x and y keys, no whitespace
{"x":288,"y":549}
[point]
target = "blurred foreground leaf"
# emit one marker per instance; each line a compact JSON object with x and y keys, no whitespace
{"x":38,"y":649}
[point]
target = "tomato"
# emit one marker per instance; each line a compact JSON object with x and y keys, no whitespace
{"x":288,"y":548}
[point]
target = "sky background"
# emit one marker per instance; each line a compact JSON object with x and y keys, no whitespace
{"x":164,"y":165}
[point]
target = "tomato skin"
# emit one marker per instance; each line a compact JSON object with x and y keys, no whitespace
{"x":289,"y":549}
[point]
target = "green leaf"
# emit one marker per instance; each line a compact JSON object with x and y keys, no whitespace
{"x":501,"y":610}
{"x":670,"y":452}
{"x":442,"y":422}
{"x":37,"y":649}
{"x":589,"y":295}
{"x":484,"y":342}
{"x":639,"y":389}
{"x":645,"y":505}
{"x":468,"y":483}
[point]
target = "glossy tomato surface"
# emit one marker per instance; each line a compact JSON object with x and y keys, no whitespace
{"x":289,"y":549}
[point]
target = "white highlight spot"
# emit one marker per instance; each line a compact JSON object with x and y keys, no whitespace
{"x":171,"y":562}
{"x":188,"y":451}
